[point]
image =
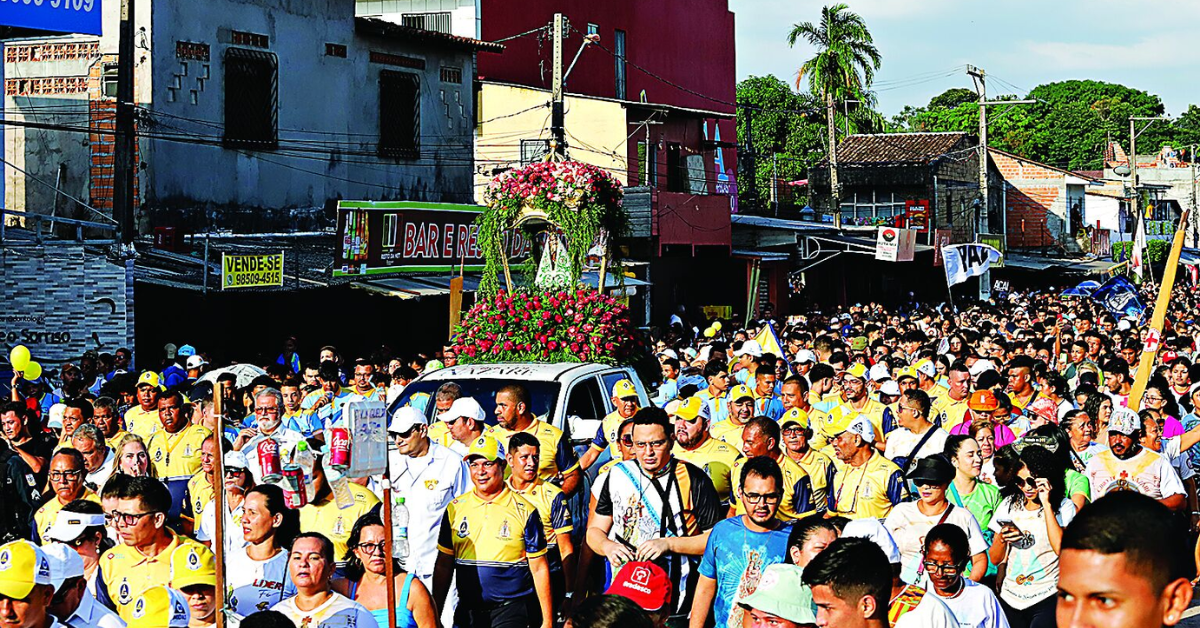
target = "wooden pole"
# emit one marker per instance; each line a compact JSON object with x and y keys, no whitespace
{"x":456,"y":294}
{"x":389,"y":573}
{"x":603,"y":270}
{"x":1145,"y":364}
{"x":219,"y":506}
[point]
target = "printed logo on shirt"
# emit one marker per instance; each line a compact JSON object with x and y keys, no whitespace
{"x":431,"y":484}
{"x":158,"y":455}
{"x":463,"y":529}
{"x":32,"y":481}
{"x":139,"y":609}
{"x":504,"y":534}
{"x":124,"y":595}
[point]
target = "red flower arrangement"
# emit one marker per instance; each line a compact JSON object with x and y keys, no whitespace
{"x":570,"y":326}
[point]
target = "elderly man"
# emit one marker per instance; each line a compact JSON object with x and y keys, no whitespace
{"x":762,"y":438}
{"x":66,"y":479}
{"x":98,"y":460}
{"x":558,"y":464}
{"x":268,"y":415}
{"x":463,"y":422}
{"x":865,"y":484}
{"x":77,"y":412}
{"x":427,"y":476}
{"x":311,"y":565}
{"x":73,"y":604}
{"x":625,"y":399}
{"x":26,"y":588}
{"x":105,"y":417}
{"x":175,"y":449}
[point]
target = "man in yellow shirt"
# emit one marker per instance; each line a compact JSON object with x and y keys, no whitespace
{"x":104,"y":416}
{"x":551,"y":503}
{"x":200,"y":487}
{"x":142,"y":419}
{"x":175,"y":449}
{"x":148,"y":547}
{"x":323,"y":515}
{"x":855,"y":401}
{"x":443,"y":400}
{"x":864,"y":484}
{"x":66,"y":479}
{"x":625,"y":399}
{"x":950,"y":407}
{"x":794,"y":395}
{"x":761,"y":438}
{"x":695,"y":445}
{"x":741,"y":409}
{"x":558,"y":464}
{"x":797,"y":435}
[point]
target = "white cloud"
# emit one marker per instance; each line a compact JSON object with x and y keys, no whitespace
{"x":1156,"y":53}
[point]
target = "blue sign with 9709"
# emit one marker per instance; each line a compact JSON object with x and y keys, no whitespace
{"x":60,"y":16}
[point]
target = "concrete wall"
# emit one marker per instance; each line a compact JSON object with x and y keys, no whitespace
{"x":1038,"y":200}
{"x":62,"y":300}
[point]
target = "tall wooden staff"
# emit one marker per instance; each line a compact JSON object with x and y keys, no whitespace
{"x":219,"y":498}
{"x":1160,"y":314}
{"x":389,"y":573}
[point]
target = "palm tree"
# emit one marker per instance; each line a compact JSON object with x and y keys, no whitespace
{"x":841,"y":70}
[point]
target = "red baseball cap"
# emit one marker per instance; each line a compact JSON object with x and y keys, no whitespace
{"x":643,"y":582}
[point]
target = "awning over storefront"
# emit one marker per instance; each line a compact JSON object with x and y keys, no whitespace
{"x":417,"y":286}
{"x":1061,"y":264}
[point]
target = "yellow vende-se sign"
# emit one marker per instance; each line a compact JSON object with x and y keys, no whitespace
{"x":250,"y":271}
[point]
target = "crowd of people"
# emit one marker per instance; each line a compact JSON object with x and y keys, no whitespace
{"x":920,"y":466}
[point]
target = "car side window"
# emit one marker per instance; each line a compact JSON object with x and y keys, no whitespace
{"x":585,"y":401}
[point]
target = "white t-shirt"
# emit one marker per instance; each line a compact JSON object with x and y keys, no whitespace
{"x":929,"y":613}
{"x":1178,"y":459}
{"x":1147,"y":472}
{"x":901,"y":442}
{"x":909,"y":527}
{"x":257,"y":585}
{"x":234,"y":536}
{"x":338,"y":611}
{"x":428,"y":484}
{"x":1032,"y":573}
{"x":975,"y":606}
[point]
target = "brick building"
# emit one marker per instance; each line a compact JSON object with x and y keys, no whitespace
{"x":1043,"y":205}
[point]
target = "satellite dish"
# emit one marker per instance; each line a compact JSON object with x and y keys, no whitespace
{"x":1122,"y":171}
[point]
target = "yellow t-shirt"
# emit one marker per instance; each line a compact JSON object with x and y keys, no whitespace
{"x":335,"y":522}
{"x":438,"y":431}
{"x":555,"y":454}
{"x":797,"y":500}
{"x":144,"y":423}
{"x":717,"y":458}
{"x":867,"y":491}
{"x":177,"y":455}
{"x":44,"y":518}
{"x":551,"y":505}
{"x":127,"y":573}
{"x":199,"y":492}
{"x":952,"y":412}
{"x":872,"y":409}
{"x":728,"y":431}
{"x":818,"y":466}
{"x":116,"y":440}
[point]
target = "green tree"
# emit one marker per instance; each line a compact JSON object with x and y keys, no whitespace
{"x":952,"y":98}
{"x":776,"y":121}
{"x":842,"y":69}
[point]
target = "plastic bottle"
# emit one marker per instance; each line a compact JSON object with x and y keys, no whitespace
{"x":400,"y":531}
{"x":340,"y":485}
{"x":306,"y":460}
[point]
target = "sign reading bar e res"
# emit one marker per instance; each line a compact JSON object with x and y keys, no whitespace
{"x":251,"y":271}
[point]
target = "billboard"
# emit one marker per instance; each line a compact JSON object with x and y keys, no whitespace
{"x":895,"y":245}
{"x":917,"y":212}
{"x":380,"y":237}
{"x":58,"y":16}
{"x":251,"y":271}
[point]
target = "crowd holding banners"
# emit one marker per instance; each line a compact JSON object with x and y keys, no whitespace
{"x":979,"y":451}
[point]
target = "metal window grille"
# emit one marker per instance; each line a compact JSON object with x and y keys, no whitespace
{"x":399,"y":114}
{"x":439,"y":22}
{"x":251,"y":98}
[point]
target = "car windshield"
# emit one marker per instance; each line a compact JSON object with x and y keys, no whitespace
{"x":543,"y":396}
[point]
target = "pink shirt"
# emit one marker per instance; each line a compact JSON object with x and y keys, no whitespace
{"x":1004,"y":436}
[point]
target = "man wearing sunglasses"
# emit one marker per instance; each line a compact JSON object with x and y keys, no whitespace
{"x":148,"y":547}
{"x":699,"y":448}
{"x":66,"y":479}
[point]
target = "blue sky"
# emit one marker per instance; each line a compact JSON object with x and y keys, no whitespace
{"x":1139,"y":43}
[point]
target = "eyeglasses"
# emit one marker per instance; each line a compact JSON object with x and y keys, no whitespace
{"x":1023,"y":482}
{"x":759,"y":498}
{"x":627,"y":441}
{"x":793,"y":430}
{"x":650,"y":444}
{"x":407,"y":434}
{"x":58,"y":476}
{"x":233,"y":471}
{"x":372,"y":548}
{"x":942,"y":568}
{"x":1149,"y":398}
{"x":129,"y":518}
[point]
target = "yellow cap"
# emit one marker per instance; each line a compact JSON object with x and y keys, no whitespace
{"x":691,"y":409}
{"x":487,"y":446}
{"x":149,"y":378}
{"x":192,"y":565}
{"x":22,"y":565}
{"x":795,"y":415}
{"x":857,"y":370}
{"x":907,"y":371}
{"x":739,"y":392}
{"x":624,"y":388}
{"x":158,"y":607}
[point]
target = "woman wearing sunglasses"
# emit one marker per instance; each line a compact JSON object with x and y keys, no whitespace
{"x":366,"y":579}
{"x":946,"y":555}
{"x":238,"y":481}
{"x":1028,"y":529}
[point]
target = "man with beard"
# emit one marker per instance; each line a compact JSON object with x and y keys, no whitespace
{"x":854,"y":401}
{"x":1127,"y":466}
{"x":695,"y":445}
{"x":740,"y":548}
{"x":741,"y":408}
{"x":268,"y":417}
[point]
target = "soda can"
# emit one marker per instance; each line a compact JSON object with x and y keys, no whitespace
{"x":293,"y":487}
{"x":339,"y":447}
{"x":268,"y":460}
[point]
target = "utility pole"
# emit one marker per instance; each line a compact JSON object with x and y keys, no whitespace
{"x":980,"y":224}
{"x":1192,"y":157}
{"x":557,"y":110}
{"x":124,"y":187}
{"x":835,"y":188}
{"x":1136,"y":203}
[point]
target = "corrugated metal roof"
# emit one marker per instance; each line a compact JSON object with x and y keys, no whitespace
{"x":897,"y":147}
{"x":391,"y":29}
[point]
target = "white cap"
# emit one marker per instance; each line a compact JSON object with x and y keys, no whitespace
{"x":405,"y":418}
{"x":236,"y":459}
{"x":750,"y":348}
{"x":462,"y":407}
{"x":873,"y":531}
{"x":926,"y":367}
{"x":804,"y":356}
{"x":980,"y":367}
{"x":56,"y":415}
{"x":670,"y":353}
{"x":195,"y":362}
{"x":890,"y":388}
{"x":68,"y":525}
{"x":1124,"y":325}
{"x":65,"y":563}
{"x":879,"y":372}
{"x":862,"y":426}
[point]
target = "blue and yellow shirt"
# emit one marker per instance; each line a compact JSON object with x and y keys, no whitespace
{"x":606,"y":435}
{"x":177,"y":456}
{"x":867,"y":491}
{"x":717,"y":458}
{"x":718,"y":407}
{"x":797,"y":498}
{"x":552,"y":508}
{"x":491,"y":543}
{"x":125,"y":573}
{"x":200,"y":491}
{"x":555,"y":454}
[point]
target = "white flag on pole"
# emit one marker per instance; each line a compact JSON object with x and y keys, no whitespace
{"x":1137,"y":256}
{"x":963,"y":261}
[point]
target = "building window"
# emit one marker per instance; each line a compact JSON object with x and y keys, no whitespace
{"x":335,"y":50}
{"x":451,"y":74}
{"x":389,"y":231}
{"x":676,"y":169}
{"x":251,"y":98}
{"x":439,"y":22}
{"x":399,"y":114}
{"x":593,"y":29}
{"x":110,"y":80}
{"x":619,"y":46}
{"x":255,"y":40}
{"x":533,"y":151}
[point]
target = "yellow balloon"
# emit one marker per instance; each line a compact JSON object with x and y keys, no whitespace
{"x":32,"y":371}
{"x":710,"y":332}
{"x":716,"y":326}
{"x":19,"y":357}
